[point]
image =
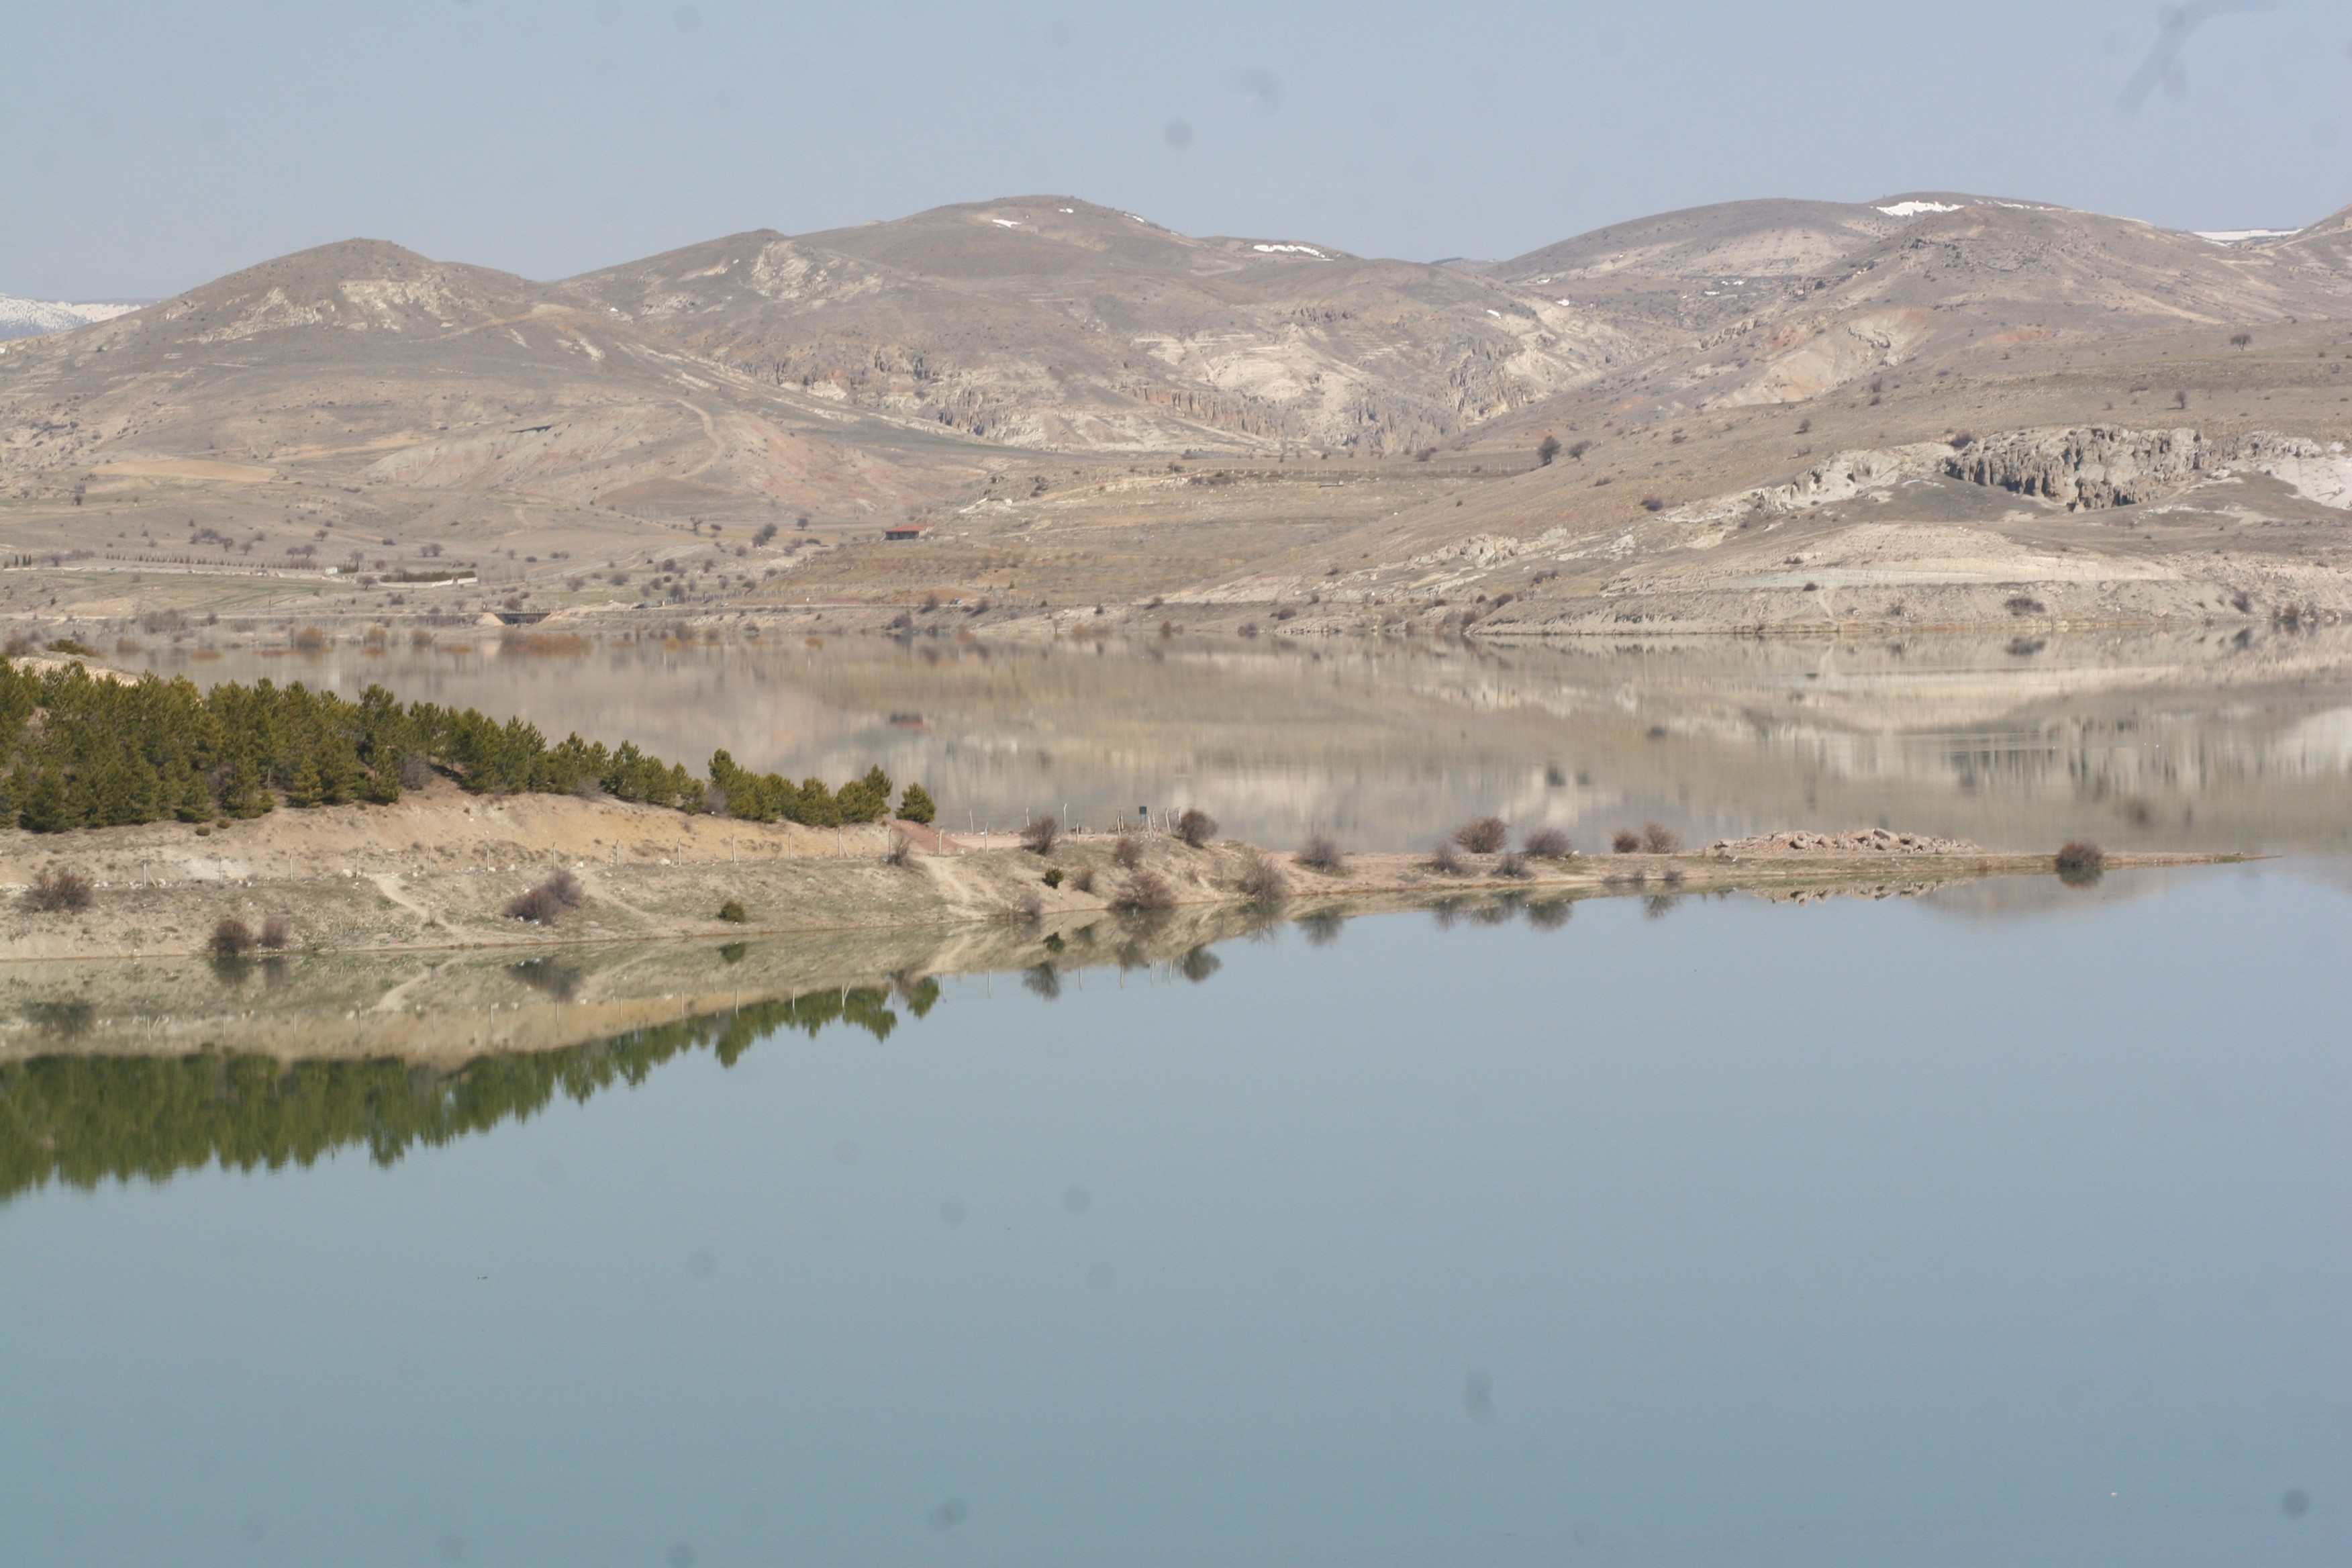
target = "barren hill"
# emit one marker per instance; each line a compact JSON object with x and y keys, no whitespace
{"x":388,"y":392}
{"x":1075,"y":402}
{"x":1049,"y":321}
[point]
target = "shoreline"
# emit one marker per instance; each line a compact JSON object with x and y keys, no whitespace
{"x":361,"y":880}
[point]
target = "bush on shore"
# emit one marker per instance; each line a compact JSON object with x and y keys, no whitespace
{"x":1322,"y":853}
{"x":1547,"y":844}
{"x":2081,"y":862}
{"x":58,"y":890}
{"x":1195,"y":826}
{"x":548,"y":903}
{"x":1483,"y":836}
{"x":1263,"y":881}
{"x":1146,"y":892}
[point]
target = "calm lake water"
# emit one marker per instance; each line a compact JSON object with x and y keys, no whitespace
{"x":2192,"y":739}
{"x":1901,"y":1232}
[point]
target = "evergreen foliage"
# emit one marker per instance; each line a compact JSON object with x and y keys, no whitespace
{"x":77,"y":752}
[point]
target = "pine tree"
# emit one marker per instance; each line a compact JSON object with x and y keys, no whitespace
{"x":245,"y":794}
{"x":916,"y":806}
{"x":47,"y":808}
{"x":194,"y":799}
{"x":303,"y":789}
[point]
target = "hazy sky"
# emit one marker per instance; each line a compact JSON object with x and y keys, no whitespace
{"x":148,"y":148}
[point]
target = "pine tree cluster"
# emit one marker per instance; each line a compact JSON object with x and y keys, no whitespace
{"x":82,"y":752}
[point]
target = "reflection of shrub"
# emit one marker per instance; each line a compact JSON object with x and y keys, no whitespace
{"x":560,"y":981}
{"x":1483,"y":835}
{"x":1145,"y":893}
{"x":1547,"y":844}
{"x":733,"y":913}
{"x":2081,"y":863}
{"x":1198,"y":964}
{"x":1550,"y":914}
{"x":1322,"y":927}
{"x":1195,"y":826}
{"x":58,"y":889}
{"x":231,"y":939}
{"x":549,"y":901}
{"x":1323,"y":853}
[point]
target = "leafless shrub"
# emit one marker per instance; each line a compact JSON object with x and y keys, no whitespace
{"x":1547,"y":844}
{"x":1083,"y":881}
{"x":1483,"y":836}
{"x":311,"y":639}
{"x":549,"y":901}
{"x":232,"y":938}
{"x":1659,"y":839}
{"x":1145,"y":893}
{"x":2081,"y":862}
{"x":1040,"y":837}
{"x":1262,"y":881}
{"x":1195,"y":826}
{"x":1513,"y":865}
{"x":58,"y":890}
{"x":1625,"y":841}
{"x":1323,"y":853}
{"x":1446,"y":860}
{"x":901,"y":852}
{"x":1128,"y":853}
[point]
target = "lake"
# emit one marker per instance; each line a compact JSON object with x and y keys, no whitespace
{"x":2004,"y":1225}
{"x":2201,"y":738}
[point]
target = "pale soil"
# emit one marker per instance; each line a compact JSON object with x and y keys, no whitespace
{"x":438,"y":870}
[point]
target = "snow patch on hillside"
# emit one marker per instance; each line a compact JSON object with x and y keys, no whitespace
{"x":31,"y":318}
{"x":1915,"y":209}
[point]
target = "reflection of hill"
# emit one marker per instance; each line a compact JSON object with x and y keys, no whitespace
{"x":2163,"y":740}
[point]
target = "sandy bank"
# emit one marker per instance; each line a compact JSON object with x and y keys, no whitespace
{"x":438,"y":870}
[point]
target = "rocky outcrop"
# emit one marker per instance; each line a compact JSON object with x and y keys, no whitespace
{"x":2089,"y":468}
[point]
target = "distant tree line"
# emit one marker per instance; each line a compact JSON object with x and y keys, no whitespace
{"x":76,"y":752}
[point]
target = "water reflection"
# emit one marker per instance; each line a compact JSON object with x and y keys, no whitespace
{"x":1834,"y":1232}
{"x":2175,"y":740}
{"x":84,"y":1119}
